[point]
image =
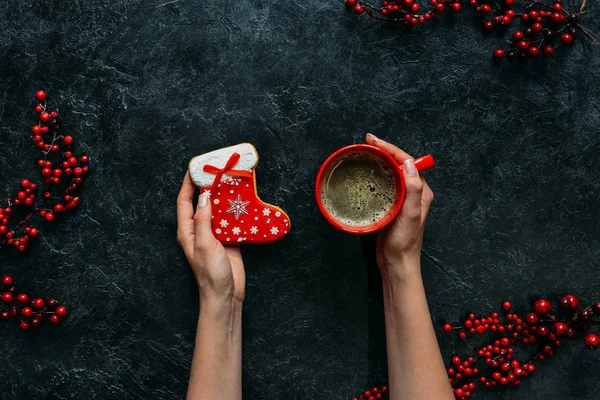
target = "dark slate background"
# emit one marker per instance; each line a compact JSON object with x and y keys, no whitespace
{"x":146,"y":85}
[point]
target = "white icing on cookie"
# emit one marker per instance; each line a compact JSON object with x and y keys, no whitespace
{"x":218,"y":158}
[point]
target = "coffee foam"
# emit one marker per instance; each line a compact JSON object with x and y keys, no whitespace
{"x":358,"y":190}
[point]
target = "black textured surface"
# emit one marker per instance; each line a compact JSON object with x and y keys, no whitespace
{"x":146,"y":85}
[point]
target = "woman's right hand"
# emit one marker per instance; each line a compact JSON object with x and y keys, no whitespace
{"x":399,"y":244}
{"x":219,"y":270}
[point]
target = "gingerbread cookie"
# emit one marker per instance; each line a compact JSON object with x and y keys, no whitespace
{"x":238,"y":215}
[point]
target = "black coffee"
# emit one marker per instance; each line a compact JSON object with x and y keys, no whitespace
{"x":359,"y":190}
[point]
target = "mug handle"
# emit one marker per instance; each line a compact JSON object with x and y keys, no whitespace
{"x":424,"y":163}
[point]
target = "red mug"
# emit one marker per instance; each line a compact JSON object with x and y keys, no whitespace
{"x":421,"y":164}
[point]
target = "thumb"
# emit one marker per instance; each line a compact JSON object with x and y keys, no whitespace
{"x":411,"y":209}
{"x":202,"y":223}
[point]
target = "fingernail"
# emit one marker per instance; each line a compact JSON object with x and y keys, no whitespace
{"x":409,"y":167}
{"x":203,"y":200}
{"x":373,"y":137}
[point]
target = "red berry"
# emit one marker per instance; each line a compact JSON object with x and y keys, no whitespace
{"x":45,"y":117}
{"x":566,"y":38}
{"x":7,"y":297}
{"x":488,"y":26}
{"x":505,"y":20}
{"x":585,"y":314}
{"x":531,"y":319}
{"x":506,"y":305}
{"x":22,"y":298}
{"x":523,"y":45}
{"x":38,"y":303}
{"x":34,"y":232}
{"x":7,"y":280}
{"x":26,"y":311}
{"x":557,"y":6}
{"x":596,"y":308}
{"x":592,"y":341}
{"x":40,"y":95}
{"x":49,"y":217}
{"x":560,"y":328}
{"x":54,"y":319}
{"x":542,"y":306}
{"x":569,"y":302}
{"x":534,"y":51}
{"x":24,"y":325}
{"x":498,"y":53}
{"x":35,"y":322}
{"x":36,"y":129}
{"x":350,"y":3}
{"x":358,"y":9}
{"x":542,"y":331}
{"x":548,"y":51}
{"x":485,"y":8}
{"x":455,"y":7}
{"x":39,"y":108}
{"x":447,"y":328}
{"x":61,"y":311}
{"x":537,"y":27}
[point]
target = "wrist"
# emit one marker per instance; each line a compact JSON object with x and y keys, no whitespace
{"x":401,"y":271}
{"x":219,"y":308}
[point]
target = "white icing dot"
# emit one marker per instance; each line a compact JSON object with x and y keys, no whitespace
{"x":255,"y":210}
{"x":218,"y":231}
{"x":216,"y":201}
{"x":219,"y":185}
{"x":247,"y":185}
{"x":219,"y":211}
{"x":284,"y":231}
{"x":278,"y":214}
{"x":228,"y":239}
{"x":256,"y":218}
{"x":265,"y":235}
{"x":240,"y":239}
{"x":269,"y":221}
{"x":231,"y":191}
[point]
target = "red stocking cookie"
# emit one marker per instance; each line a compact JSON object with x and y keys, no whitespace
{"x":239,"y":216}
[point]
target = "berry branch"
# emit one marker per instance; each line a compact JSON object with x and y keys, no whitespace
{"x":61,"y":172}
{"x":496,"y":364}
{"x":31,"y":312}
{"x":543,"y":22}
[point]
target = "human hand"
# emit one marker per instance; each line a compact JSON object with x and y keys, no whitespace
{"x":399,"y":244}
{"x":219,"y":270}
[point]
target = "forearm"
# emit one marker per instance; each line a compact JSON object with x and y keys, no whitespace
{"x":217,"y":363}
{"x":415,"y":366}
